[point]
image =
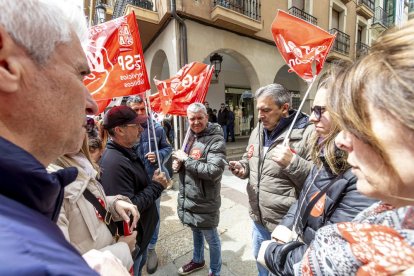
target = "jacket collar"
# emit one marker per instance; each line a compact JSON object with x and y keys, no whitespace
{"x":127,"y":152}
{"x":25,"y":180}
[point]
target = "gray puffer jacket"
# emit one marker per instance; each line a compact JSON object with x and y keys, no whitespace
{"x":200,"y":176}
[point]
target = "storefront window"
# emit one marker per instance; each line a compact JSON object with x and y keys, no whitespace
{"x":241,"y":102}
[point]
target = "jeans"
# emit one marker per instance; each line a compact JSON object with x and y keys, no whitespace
{"x":259,"y":234}
{"x":230,"y":129}
{"x":213,"y":241}
{"x":224,"y":132}
{"x":139,"y":263}
{"x":154,"y":238}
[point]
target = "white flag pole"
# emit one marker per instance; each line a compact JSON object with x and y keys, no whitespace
{"x":153,"y":129}
{"x":148,"y":124}
{"x":297,"y":112}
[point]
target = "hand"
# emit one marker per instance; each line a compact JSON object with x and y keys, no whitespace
{"x":131,"y":240}
{"x":151,"y":157}
{"x":123,"y":208}
{"x":179,"y":155}
{"x":176,"y":165}
{"x":105,"y":263}
{"x":239,"y":171}
{"x":160,"y":178}
{"x":282,"y":155}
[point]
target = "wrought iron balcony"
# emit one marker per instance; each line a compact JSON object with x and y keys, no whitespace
{"x":361,"y":50}
{"x":250,"y":8}
{"x":341,"y":43}
{"x":303,"y":15}
{"x":369,"y":3}
{"x":120,"y":6}
{"x":381,"y":17}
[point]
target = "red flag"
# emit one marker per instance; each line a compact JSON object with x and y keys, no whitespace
{"x":301,"y":43}
{"x":102,"y":105}
{"x":115,"y":57}
{"x":188,"y":86}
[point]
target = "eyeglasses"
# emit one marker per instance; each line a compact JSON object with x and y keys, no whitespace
{"x":133,"y":125}
{"x":319,"y":110}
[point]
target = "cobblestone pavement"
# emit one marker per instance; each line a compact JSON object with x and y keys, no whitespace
{"x":175,"y":242}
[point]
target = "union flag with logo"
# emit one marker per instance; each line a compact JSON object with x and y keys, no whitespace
{"x":114,"y":53}
{"x":301,"y":43}
{"x":188,"y":86}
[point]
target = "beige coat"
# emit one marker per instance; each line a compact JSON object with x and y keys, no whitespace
{"x":80,"y":224}
{"x":271,"y":197}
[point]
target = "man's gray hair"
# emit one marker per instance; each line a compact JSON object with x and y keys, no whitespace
{"x":195,"y":107}
{"x":40,"y":25}
{"x":134,"y":99}
{"x":280,"y":94}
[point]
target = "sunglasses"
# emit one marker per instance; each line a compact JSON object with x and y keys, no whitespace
{"x":319,"y":110}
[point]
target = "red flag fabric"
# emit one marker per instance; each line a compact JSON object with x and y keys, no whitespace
{"x":102,"y":105}
{"x":115,"y":57}
{"x":301,"y":43}
{"x":188,"y":86}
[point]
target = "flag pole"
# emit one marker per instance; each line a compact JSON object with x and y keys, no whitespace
{"x":153,"y":130}
{"x":297,"y":113}
{"x":148,"y":124}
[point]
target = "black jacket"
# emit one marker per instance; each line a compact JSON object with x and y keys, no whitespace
{"x":200,"y":180}
{"x":222,"y":117}
{"x":342,"y":203}
{"x":123,"y":173}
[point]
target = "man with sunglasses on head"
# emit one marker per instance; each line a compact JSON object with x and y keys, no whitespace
{"x":124,"y":173}
{"x":276,"y":172}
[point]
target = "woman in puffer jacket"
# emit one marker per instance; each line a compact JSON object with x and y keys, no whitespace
{"x":342,"y":202}
{"x":79,"y":220}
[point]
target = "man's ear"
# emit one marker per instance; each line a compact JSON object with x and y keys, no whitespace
{"x":285,"y":108}
{"x":207,"y":115}
{"x":10,"y":68}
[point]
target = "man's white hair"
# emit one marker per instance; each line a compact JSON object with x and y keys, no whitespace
{"x":40,"y":25}
{"x":195,"y":107}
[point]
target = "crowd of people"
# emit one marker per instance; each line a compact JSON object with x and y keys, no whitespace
{"x":225,"y":118}
{"x":334,"y":198}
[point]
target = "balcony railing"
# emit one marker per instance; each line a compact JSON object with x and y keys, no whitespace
{"x":303,"y":15}
{"x":341,"y":43}
{"x":361,"y":50}
{"x":369,"y":3}
{"x":250,"y":8}
{"x":120,"y":6}
{"x":381,"y":17}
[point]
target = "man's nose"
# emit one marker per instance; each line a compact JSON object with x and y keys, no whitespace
{"x":91,"y":107}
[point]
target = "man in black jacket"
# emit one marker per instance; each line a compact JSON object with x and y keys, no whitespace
{"x":222,"y":118}
{"x":124,"y":173}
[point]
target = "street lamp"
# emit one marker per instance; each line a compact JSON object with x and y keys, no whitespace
{"x":216,"y":60}
{"x":101,"y":12}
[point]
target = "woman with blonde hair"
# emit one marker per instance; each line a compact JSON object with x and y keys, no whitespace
{"x":373,"y":101}
{"x":331,"y":179}
{"x":81,"y":222}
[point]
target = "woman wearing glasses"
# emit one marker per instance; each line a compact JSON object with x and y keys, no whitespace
{"x":332,"y":178}
{"x":373,"y":101}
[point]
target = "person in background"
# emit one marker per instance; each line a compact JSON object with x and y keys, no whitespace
{"x":230,"y":125}
{"x":341,"y":201}
{"x":209,"y":111}
{"x":214,"y":116}
{"x":95,"y":149}
{"x":372,"y":102}
{"x":276,"y":173}
{"x":103,"y":134}
{"x":199,"y":199}
{"x":82,"y":226}
{"x":149,"y":158}
{"x":222,"y":119}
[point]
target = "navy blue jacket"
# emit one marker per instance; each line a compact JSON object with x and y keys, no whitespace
{"x":30,"y":200}
{"x":142,"y":147}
